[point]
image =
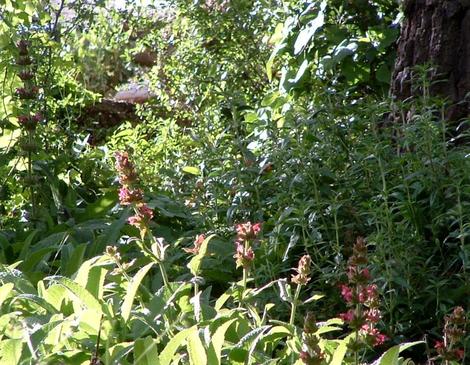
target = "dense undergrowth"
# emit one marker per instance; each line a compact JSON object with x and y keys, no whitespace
{"x":268,"y":204}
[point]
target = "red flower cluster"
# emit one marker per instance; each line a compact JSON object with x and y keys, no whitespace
{"x":246,"y":235}
{"x":361,"y":297}
{"x":454,"y":332}
{"x":130,"y":195}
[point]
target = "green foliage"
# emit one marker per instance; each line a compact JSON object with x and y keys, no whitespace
{"x":258,"y":111}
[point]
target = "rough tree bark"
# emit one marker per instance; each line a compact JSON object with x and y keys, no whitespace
{"x":436,"y":32}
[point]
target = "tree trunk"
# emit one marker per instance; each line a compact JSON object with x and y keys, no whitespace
{"x":436,"y":32}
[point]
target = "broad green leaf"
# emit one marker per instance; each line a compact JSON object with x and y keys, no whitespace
{"x":196,"y":350}
{"x":11,"y":351}
{"x":100,"y":207}
{"x":340,"y":352}
{"x":78,"y":291}
{"x":191,"y":170}
{"x":390,"y":357}
{"x":145,"y":352}
{"x":217,"y":341}
{"x":5,"y":290}
{"x":39,"y":301}
{"x":132,"y":290}
{"x":166,"y":356}
{"x":306,"y":34}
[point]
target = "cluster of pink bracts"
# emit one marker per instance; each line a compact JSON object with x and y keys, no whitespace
{"x":246,"y":235}
{"x":29,"y":92}
{"x":129,"y":194}
{"x":361,"y":297}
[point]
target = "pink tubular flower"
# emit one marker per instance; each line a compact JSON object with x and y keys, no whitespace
{"x":347,"y":316}
{"x":373,"y":315}
{"x":346,"y":293}
{"x":373,"y":334}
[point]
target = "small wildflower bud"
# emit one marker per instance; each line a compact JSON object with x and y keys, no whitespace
{"x":243,"y":256}
{"x":38,"y":117}
{"x":348,"y":316}
{"x":25,"y":75}
{"x":199,"y":184}
{"x":142,"y":218}
{"x":303,"y":271}
{"x":112,"y":252}
{"x":27,"y":93}
{"x":374,"y":337}
{"x":439,"y":347}
{"x":23,"y":47}
{"x":459,"y":354}
{"x":458,"y":316}
{"x":29,"y":147}
{"x":359,"y":256}
{"x":24,"y":61}
{"x":126,"y":169}
{"x":197,"y":245}
{"x":310,"y":323}
{"x":373,"y":315}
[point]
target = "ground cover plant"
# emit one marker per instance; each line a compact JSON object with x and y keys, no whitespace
{"x":227,"y":182}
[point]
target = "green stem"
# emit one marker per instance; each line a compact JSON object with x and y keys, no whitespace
{"x":164,"y":275}
{"x":196,"y":288}
{"x":294,"y":304}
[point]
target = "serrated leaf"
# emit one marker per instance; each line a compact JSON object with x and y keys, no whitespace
{"x":132,"y":290}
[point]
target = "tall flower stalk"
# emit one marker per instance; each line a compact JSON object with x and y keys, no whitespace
{"x":247,"y":234}
{"x":301,"y":279}
{"x":449,"y":349}
{"x":362,"y":300}
{"x":28,"y":118}
{"x":311,"y":353}
{"x":131,"y":195}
